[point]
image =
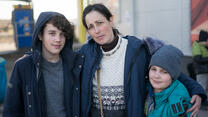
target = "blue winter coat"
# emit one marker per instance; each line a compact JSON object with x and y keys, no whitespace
{"x":171,"y":102}
{"x":26,"y":95}
{"x":135,"y":69}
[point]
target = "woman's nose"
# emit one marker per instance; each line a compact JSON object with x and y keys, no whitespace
{"x":97,"y":30}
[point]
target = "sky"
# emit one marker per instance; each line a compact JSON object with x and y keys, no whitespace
{"x":66,"y":7}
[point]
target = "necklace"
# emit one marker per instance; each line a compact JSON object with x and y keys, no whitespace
{"x":117,"y":47}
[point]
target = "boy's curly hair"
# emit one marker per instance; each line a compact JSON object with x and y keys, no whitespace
{"x":60,"y":22}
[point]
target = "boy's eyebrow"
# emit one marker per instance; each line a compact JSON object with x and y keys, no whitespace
{"x":51,"y":30}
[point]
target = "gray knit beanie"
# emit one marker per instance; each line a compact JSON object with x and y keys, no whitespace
{"x":169,"y":58}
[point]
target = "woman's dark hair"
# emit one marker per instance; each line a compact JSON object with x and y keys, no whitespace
{"x":102,"y":10}
{"x":60,"y":22}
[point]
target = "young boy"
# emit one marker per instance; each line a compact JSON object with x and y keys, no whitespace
{"x":167,"y":97}
{"x":46,"y":83}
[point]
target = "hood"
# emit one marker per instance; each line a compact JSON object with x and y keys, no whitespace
{"x":153,"y":44}
{"x":42,"y":19}
{"x":37,"y":44}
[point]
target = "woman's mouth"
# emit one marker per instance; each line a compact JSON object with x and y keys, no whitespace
{"x":100,"y":37}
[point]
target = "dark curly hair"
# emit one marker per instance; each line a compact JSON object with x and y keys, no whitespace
{"x":60,"y":22}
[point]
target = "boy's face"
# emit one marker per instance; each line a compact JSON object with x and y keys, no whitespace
{"x":159,"y":78}
{"x":53,"y":41}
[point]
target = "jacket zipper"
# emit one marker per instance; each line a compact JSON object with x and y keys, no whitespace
{"x":90,"y":81}
{"x":133,"y":60}
{"x":29,"y":106}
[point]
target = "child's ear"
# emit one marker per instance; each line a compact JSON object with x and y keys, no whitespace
{"x":40,"y":37}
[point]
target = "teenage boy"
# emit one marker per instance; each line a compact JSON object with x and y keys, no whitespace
{"x":46,"y":83}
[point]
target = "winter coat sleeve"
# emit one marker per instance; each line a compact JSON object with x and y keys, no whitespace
{"x":14,"y":104}
{"x":192,"y":86}
{"x":178,"y":107}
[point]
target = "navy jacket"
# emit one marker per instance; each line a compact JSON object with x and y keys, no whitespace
{"x":135,"y":70}
{"x":26,"y":95}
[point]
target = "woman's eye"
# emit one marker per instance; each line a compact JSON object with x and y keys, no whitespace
{"x":100,"y":22}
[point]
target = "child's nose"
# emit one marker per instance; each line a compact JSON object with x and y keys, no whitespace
{"x":157,"y":75}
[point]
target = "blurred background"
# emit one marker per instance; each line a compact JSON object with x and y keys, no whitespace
{"x":175,"y":22}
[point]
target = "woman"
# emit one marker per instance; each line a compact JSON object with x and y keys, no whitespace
{"x":113,"y":77}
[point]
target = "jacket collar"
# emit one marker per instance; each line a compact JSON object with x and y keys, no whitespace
{"x":162,"y":97}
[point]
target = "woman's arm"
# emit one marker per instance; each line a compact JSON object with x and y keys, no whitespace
{"x":196,"y":91}
{"x":192,"y":86}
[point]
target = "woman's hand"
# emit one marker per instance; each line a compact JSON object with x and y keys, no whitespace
{"x":196,"y":101}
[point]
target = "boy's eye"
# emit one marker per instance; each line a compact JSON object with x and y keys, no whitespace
{"x":153,"y":69}
{"x":89,"y":27}
{"x":52,"y":33}
{"x":165,"y":72}
{"x":62,"y":34}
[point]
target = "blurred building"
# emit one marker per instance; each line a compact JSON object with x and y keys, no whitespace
{"x":168,"y":20}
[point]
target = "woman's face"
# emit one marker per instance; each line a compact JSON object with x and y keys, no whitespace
{"x":99,"y":28}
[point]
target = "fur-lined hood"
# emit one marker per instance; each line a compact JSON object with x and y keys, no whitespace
{"x":152,"y":44}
